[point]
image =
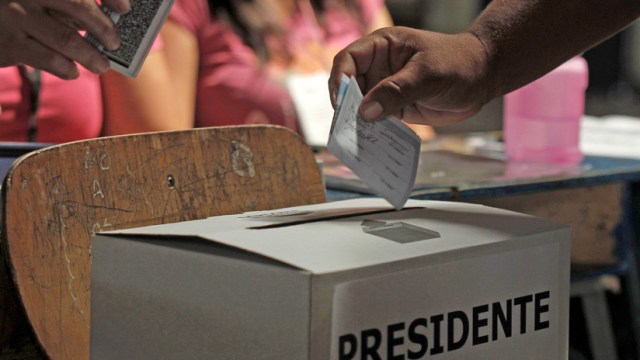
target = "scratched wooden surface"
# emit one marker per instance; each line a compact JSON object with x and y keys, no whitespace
{"x":592,"y":211}
{"x":56,"y":198}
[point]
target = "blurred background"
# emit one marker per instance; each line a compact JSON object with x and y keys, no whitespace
{"x":614,"y":65}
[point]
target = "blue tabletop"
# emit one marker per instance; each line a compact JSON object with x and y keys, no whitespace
{"x":449,"y":172}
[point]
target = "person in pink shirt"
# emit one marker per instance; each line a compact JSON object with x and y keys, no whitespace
{"x":225,"y":62}
{"x":40,"y":107}
{"x":43,"y":34}
{"x":41,"y":46}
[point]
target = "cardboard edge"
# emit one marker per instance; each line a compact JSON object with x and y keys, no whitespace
{"x":197,"y":244}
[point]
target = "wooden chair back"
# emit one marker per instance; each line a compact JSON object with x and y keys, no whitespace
{"x":55,"y":199}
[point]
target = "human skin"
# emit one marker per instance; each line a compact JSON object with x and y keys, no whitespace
{"x":147,"y":103}
{"x":44,"y":34}
{"x":438,"y":79}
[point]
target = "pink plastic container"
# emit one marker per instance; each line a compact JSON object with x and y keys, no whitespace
{"x":542,"y":119}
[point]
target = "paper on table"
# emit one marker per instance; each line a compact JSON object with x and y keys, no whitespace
{"x":383,"y":153}
{"x":310,"y":95}
{"x":611,"y":135}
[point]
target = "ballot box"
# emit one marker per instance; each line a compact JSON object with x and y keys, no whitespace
{"x":352,"y":279}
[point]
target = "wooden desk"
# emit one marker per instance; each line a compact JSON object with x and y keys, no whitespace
{"x":55,"y":199}
{"x":564,"y":194}
{"x":473,"y":169}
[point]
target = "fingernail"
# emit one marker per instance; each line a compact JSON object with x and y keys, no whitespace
{"x":371,"y":111}
{"x":102,"y":66}
{"x":114,"y":44}
{"x":73,"y":73}
{"x":123,"y":7}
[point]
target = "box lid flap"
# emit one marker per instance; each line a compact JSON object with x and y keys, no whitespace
{"x":357,"y":233}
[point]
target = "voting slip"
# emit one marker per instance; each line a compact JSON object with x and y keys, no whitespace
{"x":138,"y":30}
{"x":382,"y":153}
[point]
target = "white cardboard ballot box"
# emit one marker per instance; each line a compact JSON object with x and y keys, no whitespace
{"x":352,"y":279}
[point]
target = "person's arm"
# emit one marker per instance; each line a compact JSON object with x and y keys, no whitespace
{"x":162,"y":96}
{"x":37,"y":33}
{"x":439,"y":79}
{"x":526,"y":39}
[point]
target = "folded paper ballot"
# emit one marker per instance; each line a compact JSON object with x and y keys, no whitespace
{"x":383,"y":153}
{"x":137,"y":29}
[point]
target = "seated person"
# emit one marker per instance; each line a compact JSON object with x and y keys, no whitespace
{"x":40,"y":107}
{"x":225,"y":62}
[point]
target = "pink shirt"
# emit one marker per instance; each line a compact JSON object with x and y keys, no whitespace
{"x":232,"y":87}
{"x":69,"y":109}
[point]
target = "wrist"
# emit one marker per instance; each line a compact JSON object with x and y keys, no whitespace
{"x":482,"y":71}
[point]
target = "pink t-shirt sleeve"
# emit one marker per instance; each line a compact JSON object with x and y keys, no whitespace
{"x":192,"y":14}
{"x":341,"y":28}
{"x":232,"y":87}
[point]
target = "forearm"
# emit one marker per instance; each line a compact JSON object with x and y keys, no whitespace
{"x":144,"y":104}
{"x":162,"y":97}
{"x":524,"y":39}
